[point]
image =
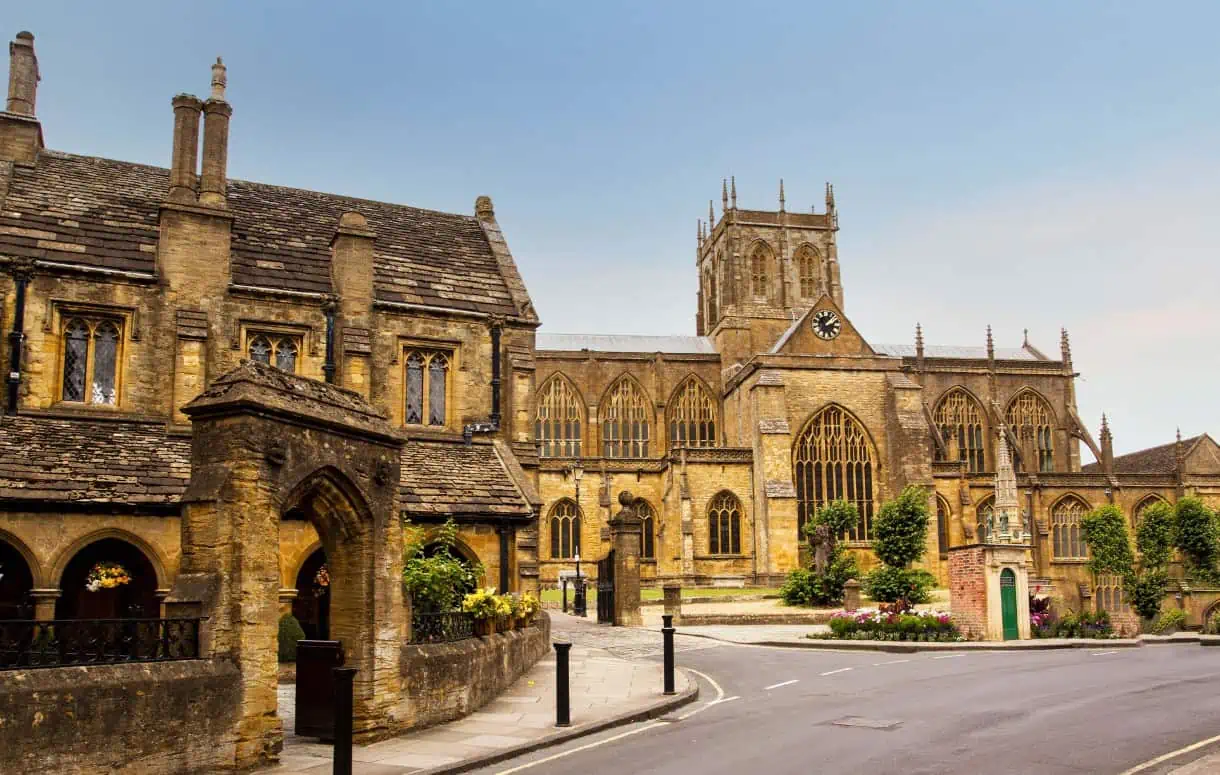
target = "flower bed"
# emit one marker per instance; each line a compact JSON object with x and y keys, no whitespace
{"x":872,"y":624}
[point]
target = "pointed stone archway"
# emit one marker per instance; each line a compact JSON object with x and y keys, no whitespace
{"x":264,"y":443}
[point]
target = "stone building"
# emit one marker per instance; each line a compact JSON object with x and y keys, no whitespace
{"x":125,"y":290}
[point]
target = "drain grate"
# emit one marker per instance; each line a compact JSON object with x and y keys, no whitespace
{"x":867,"y":723}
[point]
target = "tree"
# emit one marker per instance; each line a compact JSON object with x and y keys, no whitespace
{"x":1105,"y":532}
{"x":900,"y":535}
{"x":1197,"y":537}
{"x":1156,"y":535}
{"x":823,"y":584}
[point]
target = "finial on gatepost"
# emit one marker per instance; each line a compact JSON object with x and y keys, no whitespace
{"x":781,"y":195}
{"x":219,"y":80}
{"x":733,"y":190}
{"x":724,"y":195}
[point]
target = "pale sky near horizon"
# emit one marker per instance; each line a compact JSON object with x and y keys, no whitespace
{"x":1024,"y":165}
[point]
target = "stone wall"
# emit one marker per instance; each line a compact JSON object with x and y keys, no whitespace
{"x":445,"y":681}
{"x":968,"y":590}
{"x":166,"y":717}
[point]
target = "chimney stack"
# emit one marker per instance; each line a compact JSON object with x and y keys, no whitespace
{"x":183,"y":183}
{"x":22,"y":75}
{"x":216,"y":114}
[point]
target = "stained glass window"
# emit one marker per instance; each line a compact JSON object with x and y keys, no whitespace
{"x":427,"y":387}
{"x":626,"y":417}
{"x":559,"y":419}
{"x":76,"y":357}
{"x":724,"y":524}
{"x":692,"y":416}
{"x":1067,"y":540}
{"x":1030,"y":417}
{"x":960,"y":421}
{"x":565,"y":530}
{"x":834,"y":460}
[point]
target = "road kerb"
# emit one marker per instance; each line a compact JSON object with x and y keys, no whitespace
{"x":656,"y":710}
{"x":906,"y":647}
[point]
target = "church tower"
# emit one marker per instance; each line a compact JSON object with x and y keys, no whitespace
{"x":760,"y":269}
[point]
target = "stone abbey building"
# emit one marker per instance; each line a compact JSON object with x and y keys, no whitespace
{"x":127,"y":290}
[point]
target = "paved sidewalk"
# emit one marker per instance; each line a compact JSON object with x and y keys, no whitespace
{"x":1206,"y":765}
{"x":604,"y":687}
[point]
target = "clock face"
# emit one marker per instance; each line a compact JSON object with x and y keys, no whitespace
{"x":826,"y":324}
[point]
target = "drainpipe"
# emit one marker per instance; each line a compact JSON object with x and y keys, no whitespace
{"x":504,"y":534}
{"x":21,"y":277}
{"x":492,"y":424}
{"x":328,"y":368}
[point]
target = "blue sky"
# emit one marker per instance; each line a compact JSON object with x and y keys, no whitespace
{"x":1025,"y":165}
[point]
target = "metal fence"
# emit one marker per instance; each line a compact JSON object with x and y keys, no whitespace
{"x":64,"y":642}
{"x":441,"y":628}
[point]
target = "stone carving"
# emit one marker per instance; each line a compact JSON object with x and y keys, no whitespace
{"x":823,"y":545}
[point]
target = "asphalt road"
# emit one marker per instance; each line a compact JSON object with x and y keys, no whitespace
{"x":790,"y":711}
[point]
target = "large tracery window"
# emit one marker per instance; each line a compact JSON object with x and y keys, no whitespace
{"x":692,"y":416}
{"x":90,"y":361}
{"x":560,"y":417}
{"x":275,"y":350}
{"x":724,"y":524}
{"x":960,"y":421}
{"x":1137,"y":514}
{"x":565,"y":530}
{"x":648,"y":533}
{"x":807,"y":269}
{"x":759,"y":270}
{"x":1108,"y":594}
{"x":427,"y":387}
{"x":833,"y":460}
{"x":1067,"y":539}
{"x":1030,"y":416}
{"x":626,"y":417}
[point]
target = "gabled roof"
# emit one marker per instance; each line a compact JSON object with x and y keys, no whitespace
{"x":626,"y":343}
{"x":95,"y":212}
{"x":447,"y":478}
{"x":1154,"y":460}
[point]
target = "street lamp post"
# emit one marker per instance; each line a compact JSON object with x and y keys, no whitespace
{"x":579,"y":606}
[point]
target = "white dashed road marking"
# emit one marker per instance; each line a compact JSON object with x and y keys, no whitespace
{"x":891,"y":662}
{"x":1103,"y":653}
{"x":840,"y":670}
{"x":782,"y":683}
{"x":949,"y":656}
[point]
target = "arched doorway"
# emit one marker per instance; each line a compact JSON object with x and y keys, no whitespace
{"x":1008,"y":604}
{"x":311,"y":607}
{"x":108,"y":579}
{"x":16,"y":581}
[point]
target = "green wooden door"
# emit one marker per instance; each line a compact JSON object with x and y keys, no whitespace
{"x":1008,"y":604}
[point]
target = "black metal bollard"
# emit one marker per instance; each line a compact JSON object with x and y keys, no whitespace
{"x":667,"y":634}
{"x":564,"y":583}
{"x":563,"y":700}
{"x":580,"y":598}
{"x":343,"y":720}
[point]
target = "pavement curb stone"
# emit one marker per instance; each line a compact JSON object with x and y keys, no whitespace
{"x":655,"y":710}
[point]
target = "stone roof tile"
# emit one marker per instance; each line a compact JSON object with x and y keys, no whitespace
{"x":450,"y":478}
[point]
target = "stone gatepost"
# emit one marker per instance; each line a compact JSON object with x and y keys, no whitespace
{"x":626,"y":529}
{"x":265,"y":444}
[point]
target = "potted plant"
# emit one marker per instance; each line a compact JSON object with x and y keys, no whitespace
{"x":483,"y":605}
{"x":504,"y":612}
{"x":528,"y":607}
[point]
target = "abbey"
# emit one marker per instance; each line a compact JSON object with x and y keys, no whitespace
{"x":127,"y":290}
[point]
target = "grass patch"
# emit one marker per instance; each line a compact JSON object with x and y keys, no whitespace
{"x":555,"y":595}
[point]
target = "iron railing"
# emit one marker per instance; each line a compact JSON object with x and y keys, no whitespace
{"x":441,"y":628}
{"x":64,"y":642}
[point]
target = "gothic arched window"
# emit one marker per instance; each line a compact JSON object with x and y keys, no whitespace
{"x":91,"y":361}
{"x":960,"y":421}
{"x":274,"y":350}
{"x":1067,"y":538}
{"x":807,"y":265}
{"x":833,"y":460}
{"x":559,"y":419}
{"x":626,"y":415}
{"x":984,"y":515}
{"x":692,"y":416}
{"x":1030,"y":416}
{"x":1138,"y":512}
{"x":427,"y":387}
{"x":648,"y":532}
{"x":713,"y":301}
{"x":942,"y":525}
{"x":760,"y":271}
{"x":724,"y":524}
{"x":565,"y":530}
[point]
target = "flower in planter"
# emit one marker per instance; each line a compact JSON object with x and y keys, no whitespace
{"x":106,"y":575}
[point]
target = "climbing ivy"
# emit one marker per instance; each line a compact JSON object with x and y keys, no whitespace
{"x":1105,"y":532}
{"x":1156,"y":535}
{"x":1198,"y":537}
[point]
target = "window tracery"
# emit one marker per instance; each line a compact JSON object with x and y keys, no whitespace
{"x":960,"y":421}
{"x":277,"y":350}
{"x":90,"y":361}
{"x":943,"y":513}
{"x":427,"y":387}
{"x":759,"y":271}
{"x":1067,"y":538}
{"x":807,"y":270}
{"x":833,"y":460}
{"x":626,"y":417}
{"x":724,"y":524}
{"x":559,"y":419}
{"x":565,"y":530}
{"x":1030,"y":417}
{"x":692,"y":416}
{"x":648,"y":525}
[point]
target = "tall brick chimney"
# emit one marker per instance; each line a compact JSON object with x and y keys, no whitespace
{"x":20,"y":132}
{"x":183,"y":177}
{"x":216,"y":114}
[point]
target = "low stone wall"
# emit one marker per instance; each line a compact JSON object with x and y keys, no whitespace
{"x":449,"y":680}
{"x":161,"y":717}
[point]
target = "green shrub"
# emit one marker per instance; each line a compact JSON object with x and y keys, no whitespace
{"x":1146,"y":591}
{"x":433,"y":574}
{"x":900,"y":531}
{"x":839,"y":515}
{"x":1156,"y":535}
{"x":1105,"y":532}
{"x":809,"y":588}
{"x":1212,"y":625}
{"x":888,"y":584}
{"x":1198,"y":538}
{"x":1085,"y":624}
{"x":290,"y":633}
{"x":1169,"y":622}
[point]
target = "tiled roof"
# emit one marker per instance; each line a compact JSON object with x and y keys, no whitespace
{"x":1154,"y":460}
{"x":91,"y":461}
{"x":102,"y":213}
{"x":951,"y":351}
{"x":626,"y":343}
{"x":447,"y":478}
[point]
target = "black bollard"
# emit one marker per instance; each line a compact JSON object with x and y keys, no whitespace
{"x":563,"y":703}
{"x":343,"y":720}
{"x":667,"y":634}
{"x":564,"y":582}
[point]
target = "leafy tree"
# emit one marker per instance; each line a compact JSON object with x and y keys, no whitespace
{"x":433,"y":573}
{"x":907,"y":586}
{"x":1197,"y":537}
{"x":838,"y":515}
{"x":1105,"y":532}
{"x":808,"y":586}
{"x":900,"y":531}
{"x":1156,"y":535}
{"x":1145,"y":591}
